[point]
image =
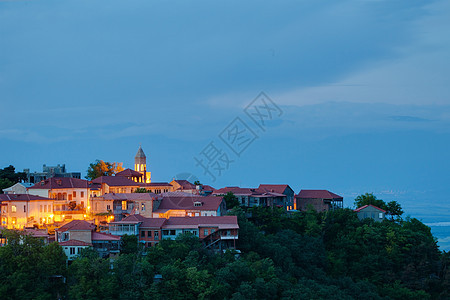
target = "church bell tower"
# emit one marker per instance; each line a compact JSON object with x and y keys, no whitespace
{"x":140,"y":165}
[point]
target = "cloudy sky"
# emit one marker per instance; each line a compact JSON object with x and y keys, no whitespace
{"x":363,"y":87}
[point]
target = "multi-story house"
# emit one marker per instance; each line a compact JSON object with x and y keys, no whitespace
{"x":262,"y":196}
{"x":79,"y":234}
{"x":284,"y":189}
{"x":25,"y":210}
{"x":192,"y":206}
{"x":18,"y":188}
{"x":319,"y":200}
{"x":215,"y":232}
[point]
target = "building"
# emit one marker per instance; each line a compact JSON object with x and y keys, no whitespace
{"x":71,"y":196}
{"x":118,"y":206}
{"x":49,"y":172}
{"x":24,"y":210}
{"x":250,"y":197}
{"x":284,"y":189}
{"x":79,"y":234}
{"x":113,"y":184}
{"x":319,"y":200}
{"x":140,"y":166}
{"x":192,"y":206}
{"x":158,"y":187}
{"x":215,"y":232}
{"x":18,"y":188}
{"x":370,"y":211}
{"x":184,"y":186}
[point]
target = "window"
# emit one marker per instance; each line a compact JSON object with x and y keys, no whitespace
{"x":108,"y":207}
{"x":49,"y":208}
{"x":24,"y":208}
{"x":70,"y":197}
{"x":72,"y":250}
{"x":82,"y":203}
{"x":143,"y":206}
{"x":149,"y":233}
{"x":166,"y":232}
{"x":206,"y":232}
{"x":142,"y":233}
{"x":13,"y":209}
{"x":212,"y":231}
{"x":79,"y":250}
{"x":380,"y":215}
{"x":82,"y":194}
{"x":45,"y":208}
{"x":156,"y":235}
{"x":74,"y":194}
{"x":124,"y":205}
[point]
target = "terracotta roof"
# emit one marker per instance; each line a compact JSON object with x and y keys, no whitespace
{"x":186,"y":185}
{"x":98,"y":236}
{"x":277,"y":188}
{"x":177,"y":194}
{"x":145,"y":222}
{"x":37,"y":232}
{"x":21,"y":197}
{"x":61,"y":183}
{"x":187,"y":203}
{"x":74,"y":243}
{"x":129,"y":173}
{"x":128,"y":196}
{"x":115,"y":181}
{"x":318,"y":194}
{"x":76,"y":225}
{"x":365,"y":206}
{"x":224,"y":222}
{"x":140,"y":153}
{"x":206,"y":187}
{"x":234,"y":189}
{"x":156,"y":184}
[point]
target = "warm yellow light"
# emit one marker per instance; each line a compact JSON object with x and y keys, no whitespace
{"x":84,"y":216}
{"x":51,"y":216}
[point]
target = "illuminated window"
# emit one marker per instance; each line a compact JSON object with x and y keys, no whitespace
{"x":13,"y":209}
{"x":124,"y":205}
{"x":143,"y":206}
{"x":82,"y":194}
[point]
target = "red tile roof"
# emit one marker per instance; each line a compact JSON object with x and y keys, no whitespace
{"x":317,"y":194}
{"x":129,"y":173}
{"x":224,"y":222}
{"x":208,"y":188}
{"x":98,"y":236}
{"x":187,"y":203}
{"x":365,"y":206}
{"x":76,"y":225}
{"x":277,"y":188}
{"x":156,"y":184}
{"x":115,"y":181}
{"x":129,"y":196}
{"x":21,"y":197}
{"x":37,"y":232}
{"x":74,"y":243}
{"x":235,"y":190}
{"x":61,"y":183}
{"x":186,"y":185}
{"x":145,"y":222}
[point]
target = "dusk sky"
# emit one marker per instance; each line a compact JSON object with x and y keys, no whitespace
{"x":363,"y":87}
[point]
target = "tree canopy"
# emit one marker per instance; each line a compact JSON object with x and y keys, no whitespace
{"x":101,"y":168}
{"x":231,"y":200}
{"x":9,"y":176}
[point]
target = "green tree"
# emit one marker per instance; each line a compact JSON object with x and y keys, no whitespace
{"x":394,"y":209}
{"x":141,"y":190}
{"x":9,"y":177}
{"x":369,"y":199}
{"x":231,"y":200}
{"x":101,"y":168}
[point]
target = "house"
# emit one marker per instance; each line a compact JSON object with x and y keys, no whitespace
{"x":215,"y":232}
{"x":79,"y":234}
{"x":158,"y":187}
{"x":71,"y":196}
{"x":49,"y":172}
{"x":184,"y":186}
{"x":284,"y":189}
{"x":115,"y":184}
{"x":120,"y":205}
{"x":18,"y":188}
{"x":370,"y":211}
{"x":250,"y":197}
{"x":320,"y":200}
{"x":25,"y":210}
{"x":193,"y":206}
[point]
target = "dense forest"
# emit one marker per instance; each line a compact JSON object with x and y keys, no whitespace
{"x":309,"y":255}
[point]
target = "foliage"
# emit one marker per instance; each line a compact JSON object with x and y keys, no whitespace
{"x":9,"y":177}
{"x":369,"y":199}
{"x":29,"y":269}
{"x":197,"y":182}
{"x":100,"y":168}
{"x":141,"y":190}
{"x":231,"y":200}
{"x":301,"y":255}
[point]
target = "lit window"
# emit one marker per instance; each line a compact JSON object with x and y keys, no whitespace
{"x":13,"y":209}
{"x":74,"y":194}
{"x":124,"y":205}
{"x":380,"y":215}
{"x":143,"y":207}
{"x":45,"y":208}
